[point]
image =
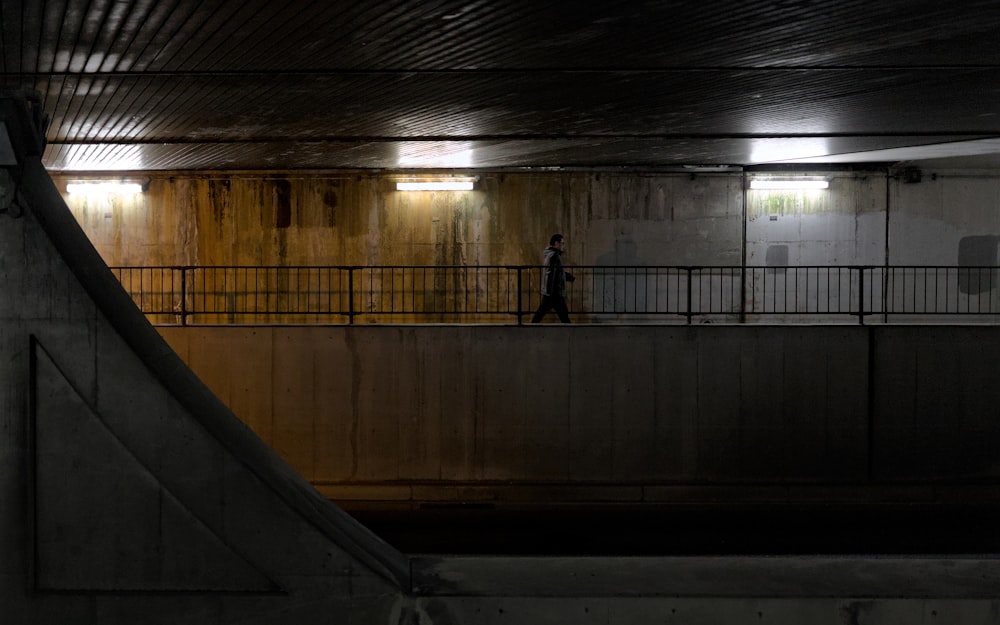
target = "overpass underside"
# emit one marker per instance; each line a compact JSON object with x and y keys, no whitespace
{"x":131,"y":493}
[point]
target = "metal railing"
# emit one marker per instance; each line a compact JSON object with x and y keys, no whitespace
{"x":600,"y":294}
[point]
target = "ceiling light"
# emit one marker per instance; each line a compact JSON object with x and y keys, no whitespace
{"x":98,"y":187}
{"x":789,"y":184}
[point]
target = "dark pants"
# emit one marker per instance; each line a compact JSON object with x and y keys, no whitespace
{"x":548,"y":303}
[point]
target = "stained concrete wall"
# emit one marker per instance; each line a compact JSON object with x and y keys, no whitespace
{"x":870,"y":218}
{"x":608,"y":413}
{"x":357,"y":218}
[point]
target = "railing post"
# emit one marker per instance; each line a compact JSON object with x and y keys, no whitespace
{"x":184,"y":294}
{"x":350,"y":295}
{"x":743,"y":293}
{"x":861,"y":295}
{"x":520,"y":297}
{"x":690,"y":314}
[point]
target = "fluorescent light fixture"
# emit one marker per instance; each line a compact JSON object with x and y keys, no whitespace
{"x":99,"y":187}
{"x":789,"y":184}
{"x":437,"y":185}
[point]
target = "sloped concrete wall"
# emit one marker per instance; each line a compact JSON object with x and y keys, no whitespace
{"x":128,"y":492}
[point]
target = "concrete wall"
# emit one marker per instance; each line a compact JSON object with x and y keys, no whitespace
{"x":844,"y":225}
{"x":591,"y":412}
{"x":623,"y":218}
{"x":948,"y":218}
{"x":359,"y":219}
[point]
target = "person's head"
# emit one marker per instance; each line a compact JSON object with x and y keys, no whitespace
{"x":556,"y":240}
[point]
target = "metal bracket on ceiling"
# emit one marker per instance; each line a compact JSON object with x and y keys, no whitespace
{"x":8,"y":187}
{"x":22,"y":134}
{"x":11,"y":200}
{"x":8,"y":156}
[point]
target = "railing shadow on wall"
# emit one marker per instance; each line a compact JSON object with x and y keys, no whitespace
{"x":509,"y":294}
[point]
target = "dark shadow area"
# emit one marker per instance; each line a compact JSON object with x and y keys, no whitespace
{"x":692,"y":530}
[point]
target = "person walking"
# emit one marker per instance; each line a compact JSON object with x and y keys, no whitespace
{"x":554,"y":279}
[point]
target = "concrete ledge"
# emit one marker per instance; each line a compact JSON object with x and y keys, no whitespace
{"x":773,"y":577}
{"x":418,"y":495}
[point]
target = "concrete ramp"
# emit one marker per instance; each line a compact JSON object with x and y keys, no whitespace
{"x":128,"y":492}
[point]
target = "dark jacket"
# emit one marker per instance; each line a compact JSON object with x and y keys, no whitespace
{"x":554,"y":277}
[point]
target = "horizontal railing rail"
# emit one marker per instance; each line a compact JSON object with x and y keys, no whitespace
{"x":600,"y":294}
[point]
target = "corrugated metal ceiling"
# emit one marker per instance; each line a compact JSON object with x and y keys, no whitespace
{"x":259,"y":84}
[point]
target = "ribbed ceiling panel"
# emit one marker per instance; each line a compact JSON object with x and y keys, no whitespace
{"x":43,"y":36}
{"x":230,"y":108}
{"x":227,"y":83}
